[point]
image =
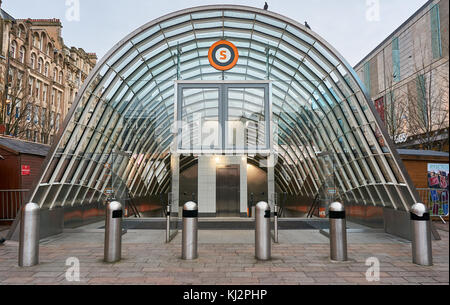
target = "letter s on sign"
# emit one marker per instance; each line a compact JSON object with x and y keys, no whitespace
{"x":223,"y":55}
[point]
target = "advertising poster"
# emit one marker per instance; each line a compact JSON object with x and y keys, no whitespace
{"x":438,"y":176}
{"x":438,"y":183}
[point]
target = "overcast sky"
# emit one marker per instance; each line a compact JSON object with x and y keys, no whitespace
{"x":102,"y":23}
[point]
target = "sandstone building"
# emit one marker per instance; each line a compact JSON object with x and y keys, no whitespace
{"x":39,"y":77}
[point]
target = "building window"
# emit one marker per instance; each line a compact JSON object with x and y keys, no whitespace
{"x":33,"y":61}
{"x":436,"y":43}
{"x":20,"y":80}
{"x":41,"y":42}
{"x":46,"y":69}
{"x":36,"y":115}
{"x":22,"y":55}
{"x":38,"y":89}
{"x":43,"y":117}
{"x":379,"y":105}
{"x":55,"y":75}
{"x":35,"y":136}
{"x":367,"y":76}
{"x":20,"y":32}
{"x":422,"y":98}
{"x":49,"y":49}
{"x":36,"y":40}
{"x":53,"y":97}
{"x":60,"y":78}
{"x":58,"y":101}
{"x":10,"y":76}
{"x":396,"y":60}
{"x":18,"y":105}
{"x":52,"y":119}
{"x":13,"y":49}
{"x":30,"y":86}
{"x":29,"y":113}
{"x":58,"y":121}
{"x":40,"y":65}
{"x":44,"y":93}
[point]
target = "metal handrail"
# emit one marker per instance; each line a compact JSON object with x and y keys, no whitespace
{"x":314,"y":206}
{"x":130,"y":202}
{"x":316,"y":203}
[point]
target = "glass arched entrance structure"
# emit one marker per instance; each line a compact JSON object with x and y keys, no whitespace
{"x":318,"y":103}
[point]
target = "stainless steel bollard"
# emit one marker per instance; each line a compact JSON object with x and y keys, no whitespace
{"x":338,"y":232}
{"x":421,"y":235}
{"x":190,"y":231}
{"x":168,"y":224}
{"x":113,"y":232}
{"x":276,"y":224}
{"x":263,"y":242}
{"x":29,"y":235}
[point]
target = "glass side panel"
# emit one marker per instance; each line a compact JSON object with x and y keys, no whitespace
{"x":200,"y":119}
{"x":246,"y":124}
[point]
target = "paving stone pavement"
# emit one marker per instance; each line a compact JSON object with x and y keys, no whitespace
{"x":224,"y":264}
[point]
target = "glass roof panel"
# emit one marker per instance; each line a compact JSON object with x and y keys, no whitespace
{"x":147,"y":44}
{"x":271,"y":21}
{"x":235,"y":34}
{"x":268,"y":31}
{"x":175,"y":21}
{"x":207,"y":25}
{"x":240,"y":15}
{"x":119,"y":53}
{"x":300,"y":34}
{"x":334,"y":61}
{"x":238,"y":25}
{"x":177,"y":31}
{"x":145,"y":34}
{"x":206,"y":15}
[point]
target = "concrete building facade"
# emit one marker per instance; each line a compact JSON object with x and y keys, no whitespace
{"x":408,"y":80}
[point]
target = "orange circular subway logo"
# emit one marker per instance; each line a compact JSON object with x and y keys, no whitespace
{"x":223,"y":55}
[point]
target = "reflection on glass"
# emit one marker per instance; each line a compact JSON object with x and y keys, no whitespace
{"x":246,"y":126}
{"x":200,"y":119}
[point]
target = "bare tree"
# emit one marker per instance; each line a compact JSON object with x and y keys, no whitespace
{"x":18,"y":112}
{"x":395,"y":109}
{"x":48,"y":124}
{"x":428,"y":97}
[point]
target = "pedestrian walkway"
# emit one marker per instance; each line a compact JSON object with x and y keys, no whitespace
{"x":225,"y":257}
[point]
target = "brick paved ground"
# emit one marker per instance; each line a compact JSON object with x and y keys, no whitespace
{"x":441,"y":226}
{"x":225,"y":264}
